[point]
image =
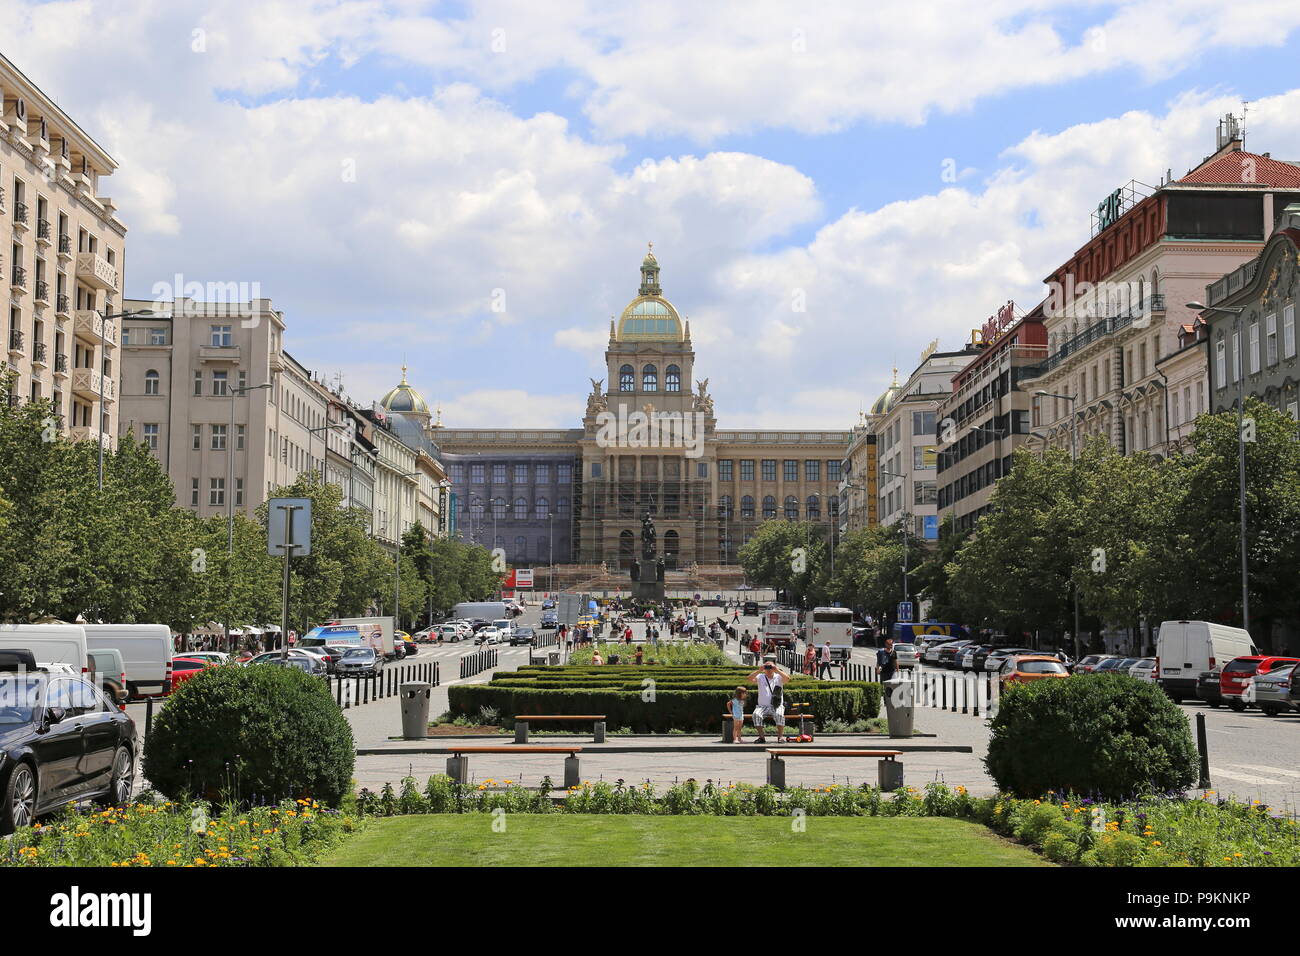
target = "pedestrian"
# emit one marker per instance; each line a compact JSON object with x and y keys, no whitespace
{"x":735,"y":616}
{"x":887,"y":660}
{"x":824,"y":664}
{"x":771,"y":699}
{"x":738,"y":713}
{"x":809,"y":660}
{"x":639,"y":654}
{"x":627,"y":634}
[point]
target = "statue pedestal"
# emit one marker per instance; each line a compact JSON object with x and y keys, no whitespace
{"x":647,"y":587}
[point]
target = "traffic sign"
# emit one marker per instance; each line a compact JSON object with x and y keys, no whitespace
{"x":904,"y":612}
{"x":288,"y":522}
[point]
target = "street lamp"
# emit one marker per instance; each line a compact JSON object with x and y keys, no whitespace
{"x":1074,"y":454}
{"x":332,"y":426}
{"x":1241,"y":450}
{"x":397,"y":537}
{"x":105,"y":318}
{"x":550,"y":517}
{"x":230,"y":490}
{"x":896,"y":474}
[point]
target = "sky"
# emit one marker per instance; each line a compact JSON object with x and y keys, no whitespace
{"x":468,"y":188}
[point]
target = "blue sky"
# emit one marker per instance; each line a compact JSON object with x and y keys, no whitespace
{"x":525,"y":153}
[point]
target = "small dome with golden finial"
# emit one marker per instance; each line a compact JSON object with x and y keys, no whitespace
{"x":405,"y":399}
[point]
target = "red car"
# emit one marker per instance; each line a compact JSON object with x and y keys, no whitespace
{"x":183,"y":668}
{"x":1237,"y":675}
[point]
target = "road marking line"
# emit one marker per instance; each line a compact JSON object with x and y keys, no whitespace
{"x":1247,"y":778}
{"x":1277,"y":770}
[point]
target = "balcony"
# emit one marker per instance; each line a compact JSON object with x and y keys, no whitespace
{"x":97,"y":272}
{"x":20,"y":216}
{"x":1150,"y":306}
{"x":42,"y":292}
{"x":87,"y":433}
{"x":43,"y":232}
{"x":219,"y":354}
{"x":40,"y":355}
{"x":65,"y":246}
{"x":62,"y":303}
{"x":18,"y":281}
{"x":16,"y":342}
{"x":89,"y":327}
{"x":61,"y":364}
{"x":85,"y":383}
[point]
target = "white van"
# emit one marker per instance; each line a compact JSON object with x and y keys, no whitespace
{"x":49,"y":643}
{"x":146,"y":650}
{"x":1186,"y":649}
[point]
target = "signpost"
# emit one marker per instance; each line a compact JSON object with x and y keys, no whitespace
{"x":904,"y":612}
{"x":288,"y":533}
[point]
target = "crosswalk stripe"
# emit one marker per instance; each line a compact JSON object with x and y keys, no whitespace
{"x":1275,"y":770}
{"x":1247,"y":778}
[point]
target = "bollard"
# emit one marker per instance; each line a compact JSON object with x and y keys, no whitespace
{"x":890,"y":775}
{"x":1204,"y":750}
{"x":776,"y":773}
{"x":338,"y":690}
{"x":572,"y":774}
{"x":521,"y":731}
{"x":600,"y":732}
{"x":148,"y":715}
{"x":458,"y":769}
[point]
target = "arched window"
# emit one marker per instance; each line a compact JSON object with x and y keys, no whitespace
{"x":521,"y":509}
{"x":672,"y":379}
{"x":814,"y":510}
{"x":649,"y":379}
{"x":151,"y":382}
{"x":626,"y":379}
{"x":747,"y":506}
{"x":791,"y":508}
{"x":476,"y":507}
{"x":562,"y":506}
{"x":769,"y":506}
{"x":498,"y":508}
{"x":626,"y":549}
{"x":521,"y":549}
{"x":833,"y":507}
{"x":541,"y":508}
{"x":671,"y":548}
{"x":724,"y":507}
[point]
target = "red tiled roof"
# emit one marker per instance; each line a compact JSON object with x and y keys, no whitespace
{"x":1230,"y":169}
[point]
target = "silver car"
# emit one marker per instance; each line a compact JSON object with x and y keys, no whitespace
{"x":908,"y":656}
{"x":360,"y":661}
{"x":1273,"y":691}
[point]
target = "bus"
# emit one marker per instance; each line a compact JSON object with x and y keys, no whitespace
{"x":779,"y":626}
{"x":833,"y":624}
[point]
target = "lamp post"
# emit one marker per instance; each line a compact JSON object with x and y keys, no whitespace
{"x":230,"y":491}
{"x":1074,"y":455}
{"x":896,"y":474}
{"x":106,"y":317}
{"x":550,"y":517}
{"x":1241,"y":449}
{"x":332,"y":426}
{"x":397,"y":537}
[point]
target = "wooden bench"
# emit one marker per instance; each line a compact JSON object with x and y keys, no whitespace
{"x":890,"y":770}
{"x":804,"y":723}
{"x":522,"y":722}
{"x":458,"y":762}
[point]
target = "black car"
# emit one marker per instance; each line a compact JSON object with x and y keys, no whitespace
{"x":521,"y":635}
{"x":61,"y":740}
{"x":750,"y":609}
{"x":1207,"y":687}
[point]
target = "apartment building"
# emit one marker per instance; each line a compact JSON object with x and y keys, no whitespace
{"x":859,"y":488}
{"x":907,"y":440}
{"x":1118,"y":305}
{"x":62,"y":270}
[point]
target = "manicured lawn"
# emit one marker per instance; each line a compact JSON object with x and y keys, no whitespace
{"x":618,"y":840}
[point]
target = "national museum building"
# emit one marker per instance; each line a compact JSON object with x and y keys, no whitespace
{"x":648,"y":443}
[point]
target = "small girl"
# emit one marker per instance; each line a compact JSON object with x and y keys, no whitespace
{"x":738,"y":713}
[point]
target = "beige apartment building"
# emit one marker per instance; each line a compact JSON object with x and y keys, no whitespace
{"x":62,"y":268}
{"x":859,"y":488}
{"x":1117,"y":307}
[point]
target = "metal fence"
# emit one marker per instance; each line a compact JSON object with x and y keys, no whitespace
{"x":478,"y":662}
{"x":355,"y":691}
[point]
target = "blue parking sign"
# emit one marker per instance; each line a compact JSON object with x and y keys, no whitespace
{"x":905,"y":612}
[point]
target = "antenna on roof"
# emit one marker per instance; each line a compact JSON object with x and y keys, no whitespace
{"x":1245,"y":109}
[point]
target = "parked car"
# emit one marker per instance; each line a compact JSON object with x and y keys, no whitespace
{"x":360,"y":662}
{"x":1144,"y":669}
{"x":997,"y":656}
{"x":216,"y":657}
{"x":947,"y":656}
{"x":1207,"y":687}
{"x":322,"y":654}
{"x":183,"y":668}
{"x":61,"y":741}
{"x":1185,"y":649}
{"x":314,"y":662}
{"x":1090,"y":663}
{"x":521,"y":635}
{"x":1238,"y":675}
{"x":908,"y":655}
{"x":109,"y":672}
{"x":966,"y":657}
{"x":1111,"y":665}
{"x":1023,"y":668}
{"x":931,"y":653}
{"x":1273,"y":690}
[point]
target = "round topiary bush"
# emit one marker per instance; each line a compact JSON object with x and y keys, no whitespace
{"x":1107,"y":736}
{"x":250,"y":734}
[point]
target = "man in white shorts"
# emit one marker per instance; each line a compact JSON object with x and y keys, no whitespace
{"x":771,"y":698}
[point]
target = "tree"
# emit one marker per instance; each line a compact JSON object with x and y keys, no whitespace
{"x":869,"y":568}
{"x":790,"y":556}
{"x":932,"y":574}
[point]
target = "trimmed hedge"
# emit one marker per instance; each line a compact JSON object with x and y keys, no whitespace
{"x":683,"y":698}
{"x":1109,"y":736}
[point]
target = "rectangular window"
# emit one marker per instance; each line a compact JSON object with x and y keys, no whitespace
{"x":216,"y":492}
{"x":812,"y":470}
{"x":923,"y":456}
{"x":923,"y":493}
{"x":1220,"y":363}
{"x":595,"y":469}
{"x":221,"y":336}
{"x":219,"y":383}
{"x":1254,"y":348}
{"x":543,"y":474}
{"x":922,"y":423}
{"x":196,"y":432}
{"x":521,"y":474}
{"x":563,"y":474}
{"x":457,"y":474}
{"x":499,"y":474}
{"x":198,"y":382}
{"x":1270,"y":339}
{"x":476,"y":474}
{"x":1288,"y":332}
{"x":769,"y":469}
{"x":239,"y":492}
{"x":218,"y":437}
{"x":747,"y":469}
{"x":724,"y":469}
{"x":242,"y":379}
{"x":791,"y":470}
{"x":151,"y":435}
{"x":832,"y":471}
{"x":194,"y":492}
{"x":701,"y":469}
{"x":158,"y":336}
{"x":1236,"y":355}
{"x":239,"y":437}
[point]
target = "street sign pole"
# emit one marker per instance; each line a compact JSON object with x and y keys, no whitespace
{"x":284,"y":597}
{"x":287,"y":543}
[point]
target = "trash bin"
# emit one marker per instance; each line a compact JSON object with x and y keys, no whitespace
{"x":553,"y":659}
{"x":415,"y":710}
{"x":899,"y":706}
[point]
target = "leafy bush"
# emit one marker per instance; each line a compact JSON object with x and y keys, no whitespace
{"x":1108,"y":736}
{"x":252,"y":735}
